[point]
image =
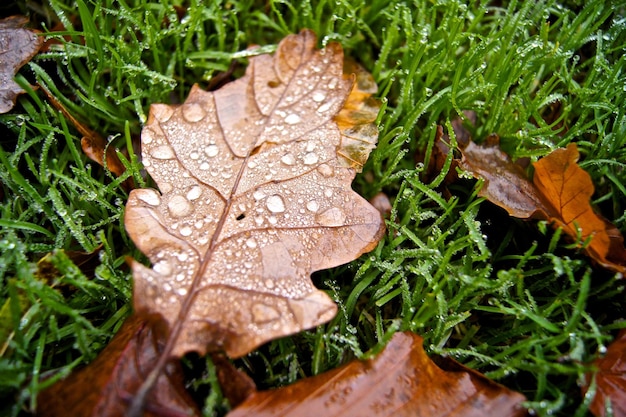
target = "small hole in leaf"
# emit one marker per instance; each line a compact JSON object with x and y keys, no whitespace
{"x":241,"y":216}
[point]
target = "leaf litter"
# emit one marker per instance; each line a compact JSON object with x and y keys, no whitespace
{"x":560,"y":192}
{"x":254,"y":195}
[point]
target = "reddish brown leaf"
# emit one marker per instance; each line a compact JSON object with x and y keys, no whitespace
{"x":105,"y":388}
{"x":610,"y":379}
{"x":560,"y":192}
{"x":17,"y":46}
{"x":400,"y":381}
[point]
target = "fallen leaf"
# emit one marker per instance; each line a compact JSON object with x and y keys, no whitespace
{"x":610,"y":379}
{"x":568,"y":189}
{"x":253,"y":199}
{"x":107,"y":385}
{"x":400,"y":381}
{"x":505,"y":183}
{"x":17,"y":46}
{"x":559,"y":192}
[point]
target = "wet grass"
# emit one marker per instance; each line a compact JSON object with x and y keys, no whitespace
{"x":509,"y":298}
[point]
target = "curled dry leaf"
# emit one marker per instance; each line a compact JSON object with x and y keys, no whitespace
{"x":253,"y":199}
{"x":559,"y":192}
{"x":400,"y":381}
{"x":106,"y":386}
{"x":17,"y":46}
{"x":610,"y":380}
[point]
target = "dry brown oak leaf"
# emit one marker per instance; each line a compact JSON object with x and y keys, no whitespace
{"x":610,"y":380}
{"x":560,"y":192}
{"x":400,"y":381}
{"x":17,"y":46}
{"x":253,"y":198}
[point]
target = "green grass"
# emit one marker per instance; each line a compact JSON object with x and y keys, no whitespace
{"x":510,"y":298}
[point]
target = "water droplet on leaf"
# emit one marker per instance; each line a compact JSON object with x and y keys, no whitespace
{"x":275,"y":204}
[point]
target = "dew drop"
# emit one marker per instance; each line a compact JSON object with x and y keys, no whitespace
{"x":310,"y":158}
{"x":194,"y":155}
{"x":185,"y":231}
{"x":258,"y":195}
{"x":162,"y":112}
{"x":328,"y":192}
{"x":150,"y":197}
{"x":251,"y":243}
{"x":272,"y":220}
{"x":182,"y":291}
{"x":334,"y":216}
{"x":193,"y":112}
{"x":165,"y":187}
{"x":324,"y":107}
{"x":292,"y":119}
{"x":162,"y":152}
{"x":211,"y":150}
{"x":318,"y":96}
{"x":162,"y":268}
{"x":312,"y":206}
{"x":204,"y":166}
{"x":251,"y":164}
{"x":288,"y":159}
{"x":258,"y":220}
{"x":269,"y":283}
{"x":182,"y":256}
{"x":194,"y":193}
{"x":275,"y":204}
{"x":147,"y":136}
{"x":326,"y":170}
{"x":179,"y":206}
